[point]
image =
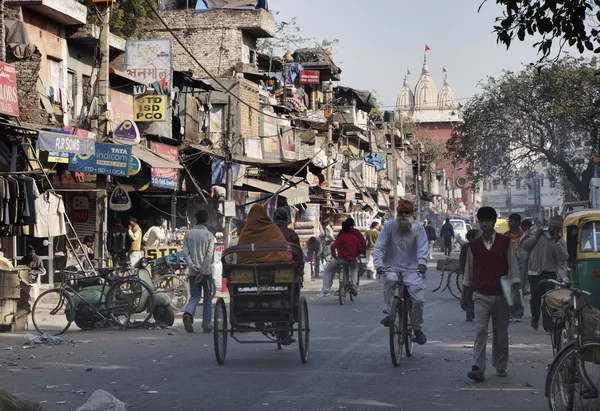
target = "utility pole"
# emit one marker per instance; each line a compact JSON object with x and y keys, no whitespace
{"x":418,"y":185}
{"x":228,"y":172}
{"x":394,"y":166}
{"x":2,"y":33}
{"x":102,"y":128}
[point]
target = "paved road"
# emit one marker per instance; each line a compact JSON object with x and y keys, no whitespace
{"x":349,"y":366}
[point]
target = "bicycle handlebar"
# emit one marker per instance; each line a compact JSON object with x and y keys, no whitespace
{"x":566,"y":284}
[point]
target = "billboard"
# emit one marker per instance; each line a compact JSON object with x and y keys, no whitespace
{"x":9,"y":100}
{"x":150,"y":61}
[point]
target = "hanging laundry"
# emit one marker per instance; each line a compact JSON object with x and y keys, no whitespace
{"x":51,"y":94}
{"x":51,"y":216}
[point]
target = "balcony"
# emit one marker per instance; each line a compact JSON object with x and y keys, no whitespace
{"x":66,"y":12}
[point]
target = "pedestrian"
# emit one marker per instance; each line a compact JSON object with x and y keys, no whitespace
{"x":156,"y":234}
{"x":462,"y":262}
{"x":118,"y":243}
{"x":198,"y":250}
{"x":447,"y":234}
{"x":34,"y":263}
{"x":402,"y":247}
{"x":239,"y":226}
{"x":515,"y":233}
{"x":431,"y":237}
{"x":329,"y":229}
{"x":344,"y":251}
{"x":313,"y":255}
{"x":371,"y":238}
{"x":135,"y":236}
{"x":490,"y":257}
{"x":547,"y":255}
{"x":281,"y":218}
{"x":527,"y":227}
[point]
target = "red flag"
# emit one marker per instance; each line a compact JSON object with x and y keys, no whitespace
{"x":427,"y":47}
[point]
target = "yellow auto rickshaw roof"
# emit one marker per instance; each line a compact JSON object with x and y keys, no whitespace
{"x":582,"y":216}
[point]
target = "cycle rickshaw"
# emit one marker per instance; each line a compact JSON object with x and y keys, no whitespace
{"x":264,"y":298}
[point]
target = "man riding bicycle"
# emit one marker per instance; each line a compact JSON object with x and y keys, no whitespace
{"x":402,"y":247}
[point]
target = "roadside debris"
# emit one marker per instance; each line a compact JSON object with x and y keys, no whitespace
{"x":101,"y":400}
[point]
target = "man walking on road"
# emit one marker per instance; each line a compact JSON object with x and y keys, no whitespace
{"x":431,"y":237}
{"x":547,"y":254}
{"x":447,"y":234}
{"x":515,"y":233}
{"x":198,"y":248}
{"x":371,"y":237}
{"x":402,"y":247}
{"x":490,"y":257}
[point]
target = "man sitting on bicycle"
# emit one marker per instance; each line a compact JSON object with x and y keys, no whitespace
{"x":402,"y":247}
{"x":344,"y":249}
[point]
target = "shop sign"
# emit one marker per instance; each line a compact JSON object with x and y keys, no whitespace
{"x":310,"y":77}
{"x":119,"y":200}
{"x":66,"y":143}
{"x":153,"y":253}
{"x":149,"y":60}
{"x":135,"y":165}
{"x":9,"y":101}
{"x":149,"y":108}
{"x":127,"y":133}
{"x":165,"y":177}
{"x":108,"y":159}
{"x":81,"y":206}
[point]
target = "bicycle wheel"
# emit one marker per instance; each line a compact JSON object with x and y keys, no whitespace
{"x":129,"y":303}
{"x":354,"y":293}
{"x":53,"y":312}
{"x":574,"y":378}
{"x":176,"y":288}
{"x":220,"y":331}
{"x":303,"y":330}
{"x":342,"y":294}
{"x":406,"y":325}
{"x":459,"y":279}
{"x":396,"y":331}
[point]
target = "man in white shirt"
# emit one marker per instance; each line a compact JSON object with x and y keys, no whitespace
{"x":156,"y":234}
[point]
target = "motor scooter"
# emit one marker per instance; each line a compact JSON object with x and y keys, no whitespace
{"x":94,"y":292}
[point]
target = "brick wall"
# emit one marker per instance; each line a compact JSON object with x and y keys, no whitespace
{"x":219,"y":39}
{"x":249,"y":119}
{"x":30,"y":108}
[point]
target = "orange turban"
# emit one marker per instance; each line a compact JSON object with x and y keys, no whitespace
{"x":405,"y":206}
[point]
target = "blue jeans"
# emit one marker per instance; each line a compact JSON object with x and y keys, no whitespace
{"x":196,"y":291}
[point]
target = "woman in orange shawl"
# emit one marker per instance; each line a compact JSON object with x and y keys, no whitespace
{"x":260,"y":229}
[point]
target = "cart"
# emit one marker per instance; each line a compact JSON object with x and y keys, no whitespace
{"x":264,"y":299}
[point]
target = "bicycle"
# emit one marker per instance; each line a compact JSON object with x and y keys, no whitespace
{"x":569,"y":384}
{"x":119,"y":299}
{"x":168,"y":279}
{"x":401,"y":332}
{"x":346,"y":285}
{"x":452,"y":267}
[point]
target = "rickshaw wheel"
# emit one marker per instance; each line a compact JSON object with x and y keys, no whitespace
{"x":303,"y":329}
{"x":220,"y":330}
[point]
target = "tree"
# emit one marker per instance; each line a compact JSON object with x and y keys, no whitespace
{"x":287,"y":37}
{"x":537,"y":114}
{"x":129,"y":19}
{"x":572,"y":22}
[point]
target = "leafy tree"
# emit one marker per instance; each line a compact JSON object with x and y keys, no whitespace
{"x":572,"y":22}
{"x":129,"y":19}
{"x":538,"y":114}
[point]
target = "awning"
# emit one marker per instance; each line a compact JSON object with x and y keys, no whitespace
{"x":293,"y":195}
{"x":152,"y":159}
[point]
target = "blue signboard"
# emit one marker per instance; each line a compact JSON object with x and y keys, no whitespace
{"x":163,"y":182}
{"x":109,"y":159}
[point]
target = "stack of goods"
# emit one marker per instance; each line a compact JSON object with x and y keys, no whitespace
{"x":307,"y":224}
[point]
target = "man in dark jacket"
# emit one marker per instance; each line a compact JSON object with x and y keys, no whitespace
{"x":447,"y":234}
{"x":281,"y":218}
{"x":431,"y":237}
{"x":118,"y":242}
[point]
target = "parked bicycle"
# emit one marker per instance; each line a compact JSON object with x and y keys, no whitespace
{"x":573,"y":379}
{"x":401,"y":333}
{"x":450,"y":268}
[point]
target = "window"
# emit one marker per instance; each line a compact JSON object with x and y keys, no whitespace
{"x":590,"y":237}
{"x":518,"y":184}
{"x":72,"y":97}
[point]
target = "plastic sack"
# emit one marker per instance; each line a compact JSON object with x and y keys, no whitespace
{"x":507,"y":290}
{"x":102,"y":401}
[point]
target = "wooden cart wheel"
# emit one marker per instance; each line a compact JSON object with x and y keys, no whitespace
{"x":220,"y":330}
{"x":303,"y":329}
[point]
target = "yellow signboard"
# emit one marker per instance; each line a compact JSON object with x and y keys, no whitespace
{"x":149,"y":108}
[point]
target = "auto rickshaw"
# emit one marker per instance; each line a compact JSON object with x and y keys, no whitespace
{"x":582,"y":234}
{"x":501,"y":226}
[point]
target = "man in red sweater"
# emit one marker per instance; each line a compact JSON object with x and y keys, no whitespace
{"x":344,"y":249}
{"x":490,"y":257}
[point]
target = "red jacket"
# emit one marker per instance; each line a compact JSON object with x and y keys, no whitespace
{"x":360,"y":237}
{"x":347,"y":246}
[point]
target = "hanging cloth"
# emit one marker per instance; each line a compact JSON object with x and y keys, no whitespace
{"x":51,"y":216}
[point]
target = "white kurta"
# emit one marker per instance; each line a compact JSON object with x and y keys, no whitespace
{"x":50,"y":210}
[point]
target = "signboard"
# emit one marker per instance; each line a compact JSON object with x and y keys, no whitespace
{"x":121,"y":106}
{"x":149,"y":108}
{"x":153,"y":253}
{"x":127,"y":133}
{"x":149,"y":61}
{"x":135,"y":165}
{"x":108,"y":159}
{"x":66,"y":143}
{"x":119,"y":200}
{"x":165,"y":177}
{"x":310,"y":77}
{"x":81,"y":206}
{"x":9,"y":100}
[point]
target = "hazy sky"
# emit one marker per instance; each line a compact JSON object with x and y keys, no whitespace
{"x":380,"y":39}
